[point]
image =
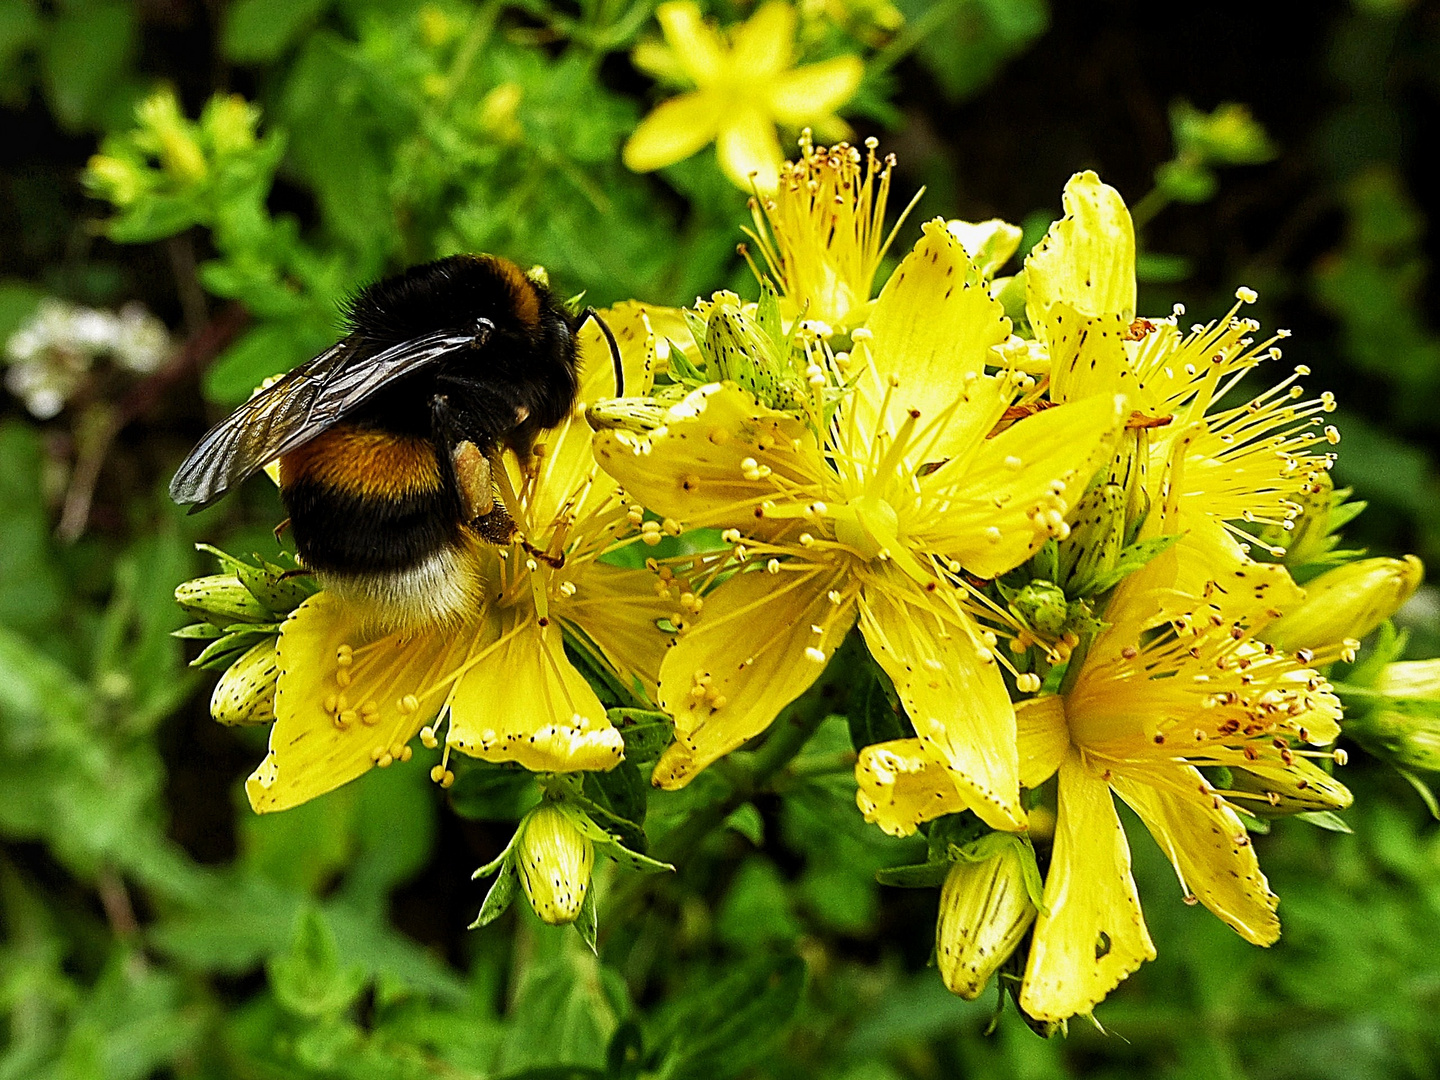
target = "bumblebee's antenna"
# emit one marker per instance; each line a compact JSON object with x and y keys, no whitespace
{"x":590,"y":313}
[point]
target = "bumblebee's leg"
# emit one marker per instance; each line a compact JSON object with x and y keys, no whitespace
{"x":590,"y":313}
{"x":469,"y":465}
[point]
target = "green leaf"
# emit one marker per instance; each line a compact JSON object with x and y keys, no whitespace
{"x":258,"y":31}
{"x":875,"y":715}
{"x":757,"y":909}
{"x":617,"y":799}
{"x":309,"y":980}
{"x":732,"y":1025}
{"x":486,"y":792}
{"x":562,"y":1015}
{"x":645,"y":731}
{"x":917,"y":876}
{"x":587,"y":924}
{"x":85,"y":59}
{"x":1423,"y":790}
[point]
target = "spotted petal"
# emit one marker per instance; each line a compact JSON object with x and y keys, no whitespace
{"x":984,"y":512}
{"x":692,"y":469}
{"x":746,"y":658}
{"x":1087,"y":259}
{"x":1206,"y":843}
{"x":901,"y":785}
{"x":326,"y":734}
{"x":521,"y":700}
{"x":952,"y":691}
{"x":1091,"y":934}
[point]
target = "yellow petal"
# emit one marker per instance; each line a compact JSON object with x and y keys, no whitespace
{"x":995,"y":514}
{"x":931,"y":331}
{"x":812,"y":91}
{"x":617,"y":609}
{"x":697,"y":47}
{"x":746,"y":657}
{"x":1087,"y":259}
{"x":764,"y":44}
{"x":1204,"y":567}
{"x":632,"y":324}
{"x":1087,"y":356}
{"x":659,"y":62}
{"x":1206,"y":843}
{"x":314,"y":749}
{"x":748,"y":148}
{"x":673,"y":131}
{"x":691,"y":471}
{"x":953,"y":694}
{"x":522,"y":701}
{"x":1091,"y":934}
{"x":1044,"y":737}
{"x":901,"y":785}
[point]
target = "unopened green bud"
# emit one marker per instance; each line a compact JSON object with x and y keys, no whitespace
{"x":988,"y":243}
{"x":221,"y":599}
{"x":115,"y":179}
{"x":1347,"y":603}
{"x":1406,"y":728}
{"x":499,"y":110}
{"x":172,"y":136}
{"x":985,"y":911}
{"x":1043,"y":606}
{"x":1228,"y":136}
{"x":229,"y":120}
{"x":245,"y":694}
{"x":742,"y":353}
{"x":554,"y":862}
{"x":1298,"y":788}
{"x":1096,"y":536}
{"x":1406,"y":733}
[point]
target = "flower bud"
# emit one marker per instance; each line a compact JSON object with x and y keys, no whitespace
{"x":554,"y":862}
{"x":1406,"y":734}
{"x":1309,"y":537}
{"x":985,"y":910}
{"x":116,"y":179}
{"x":245,"y":694}
{"x":1042,"y":604}
{"x":230,"y":122}
{"x":1228,"y":136}
{"x":1347,"y":602}
{"x":221,"y":599}
{"x":1411,"y":679}
{"x":988,"y":243}
{"x":1297,"y":788}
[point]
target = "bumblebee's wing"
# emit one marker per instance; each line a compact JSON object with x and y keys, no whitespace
{"x":295,"y":408}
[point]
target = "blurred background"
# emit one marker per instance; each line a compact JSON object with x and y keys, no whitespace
{"x":154,"y":927}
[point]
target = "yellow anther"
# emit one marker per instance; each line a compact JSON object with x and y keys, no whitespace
{"x":437,"y":774}
{"x":409,"y":704}
{"x":349,"y":716}
{"x":427,"y":738}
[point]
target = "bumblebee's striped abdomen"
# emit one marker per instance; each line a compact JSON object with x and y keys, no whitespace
{"x":364,"y":500}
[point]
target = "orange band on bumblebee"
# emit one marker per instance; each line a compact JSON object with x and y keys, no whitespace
{"x":364,"y":462}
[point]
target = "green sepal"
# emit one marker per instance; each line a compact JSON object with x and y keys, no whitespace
{"x":1325,"y":819}
{"x":1423,"y":790}
{"x":607,"y":843}
{"x":236,"y":639}
{"x":587,"y":923}
{"x":200,"y":631}
{"x":500,"y":896}
{"x":1130,"y":559}
{"x":927,"y":875}
{"x":645,"y":731}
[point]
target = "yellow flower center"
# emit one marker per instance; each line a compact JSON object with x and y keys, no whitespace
{"x":868,"y":524}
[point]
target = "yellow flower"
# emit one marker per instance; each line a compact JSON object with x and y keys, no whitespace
{"x":822,"y":233}
{"x":1145,"y":712}
{"x":345,"y":703}
{"x":744,"y":86}
{"x":871,"y":525}
{"x":1208,"y":473}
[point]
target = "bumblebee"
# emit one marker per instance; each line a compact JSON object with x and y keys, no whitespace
{"x":388,"y":443}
